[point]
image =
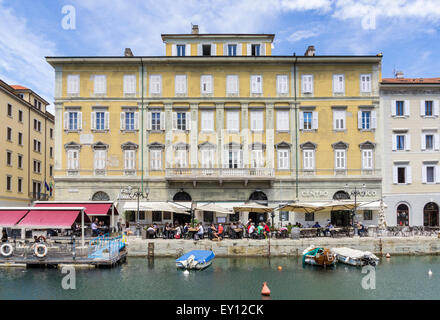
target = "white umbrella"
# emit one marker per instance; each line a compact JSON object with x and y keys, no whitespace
{"x":253,"y":207}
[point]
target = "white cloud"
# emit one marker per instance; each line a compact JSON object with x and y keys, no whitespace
{"x":301,"y":35}
{"x":22,"y":54}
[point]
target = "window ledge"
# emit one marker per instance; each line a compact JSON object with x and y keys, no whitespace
{"x":310,"y":130}
{"x":340,"y":130}
{"x":367,"y":130}
{"x":72,"y":131}
{"x":130,"y":131}
{"x":100,"y":131}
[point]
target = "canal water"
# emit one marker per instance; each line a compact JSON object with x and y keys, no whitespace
{"x":230,"y":279}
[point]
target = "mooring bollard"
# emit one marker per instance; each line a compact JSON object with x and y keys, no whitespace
{"x":151,"y":250}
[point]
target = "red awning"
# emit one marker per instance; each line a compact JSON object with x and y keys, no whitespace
{"x":59,"y":219}
{"x":9,"y":218}
{"x":91,"y":209}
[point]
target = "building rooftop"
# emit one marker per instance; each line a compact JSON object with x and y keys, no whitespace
{"x":411,"y":80}
{"x":18,"y":87}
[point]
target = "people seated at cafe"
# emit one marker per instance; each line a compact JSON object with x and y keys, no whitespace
{"x":251,"y":231}
{"x":95,"y":228}
{"x":200,"y":231}
{"x":213,"y":233}
{"x":260,"y":230}
{"x":328,"y":228}
{"x":316,"y":225}
{"x":361,"y":229}
{"x":185,"y":229}
{"x":266,"y":231}
{"x":151,"y":232}
{"x":165,"y":231}
{"x":220,"y":231}
{"x":178,"y":233}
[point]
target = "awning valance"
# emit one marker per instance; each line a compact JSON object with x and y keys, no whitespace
{"x":253,"y":207}
{"x":153,"y":206}
{"x":51,"y":219}
{"x":91,"y":209}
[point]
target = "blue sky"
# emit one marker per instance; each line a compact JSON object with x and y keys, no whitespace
{"x":405,"y":31}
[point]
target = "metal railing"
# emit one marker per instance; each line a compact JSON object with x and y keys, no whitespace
{"x":219,"y":172}
{"x":105,"y":247}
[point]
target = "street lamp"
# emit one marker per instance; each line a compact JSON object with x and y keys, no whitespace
{"x":133,"y":193}
{"x":358,"y":191}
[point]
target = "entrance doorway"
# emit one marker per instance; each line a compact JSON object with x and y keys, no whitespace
{"x":430,"y":215}
{"x":340,"y":218}
{"x":258,"y":217}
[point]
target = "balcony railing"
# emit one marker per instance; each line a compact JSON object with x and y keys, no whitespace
{"x":38,"y":196}
{"x":219,"y":173}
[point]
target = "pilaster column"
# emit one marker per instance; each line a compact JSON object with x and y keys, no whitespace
{"x":245,"y":133}
{"x":168,"y":135}
{"x":293,"y":133}
{"x":270,"y":138}
{"x":143,"y":134}
{"x":194,"y":135}
{"x":59,"y":134}
{"x":220,"y":120}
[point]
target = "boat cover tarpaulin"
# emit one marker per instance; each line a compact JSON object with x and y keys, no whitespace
{"x":53,"y":219}
{"x":9,"y":218}
{"x":200,"y":256}
{"x":352,"y":253}
{"x":91,"y":209}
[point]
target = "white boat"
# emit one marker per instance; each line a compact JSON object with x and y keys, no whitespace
{"x":196,"y":259}
{"x":355,"y":257}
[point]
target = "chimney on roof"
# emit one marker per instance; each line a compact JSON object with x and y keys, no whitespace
{"x":310,"y":52}
{"x":399,"y":75}
{"x":128,"y":53}
{"x":195,"y":29}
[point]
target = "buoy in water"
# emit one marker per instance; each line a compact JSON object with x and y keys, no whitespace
{"x":430,"y":273}
{"x":280,"y":268}
{"x":186,"y":272}
{"x":388,"y":255}
{"x":265,"y":291}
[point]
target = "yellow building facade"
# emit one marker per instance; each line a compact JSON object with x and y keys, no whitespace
{"x":27,"y":147}
{"x":217,"y":119}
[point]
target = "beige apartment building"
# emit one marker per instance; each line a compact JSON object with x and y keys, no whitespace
{"x":26,"y":148}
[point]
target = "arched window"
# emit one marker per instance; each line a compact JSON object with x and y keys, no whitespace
{"x":100,"y":196}
{"x":430,"y":215}
{"x":402,"y":215}
{"x":182,"y":196}
{"x":341,"y":195}
{"x":259,"y":197}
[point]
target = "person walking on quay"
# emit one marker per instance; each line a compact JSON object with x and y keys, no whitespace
{"x":4,"y":236}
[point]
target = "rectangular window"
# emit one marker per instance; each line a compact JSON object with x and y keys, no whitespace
{"x":129,"y":84}
{"x":366,"y":120}
{"x":256,"y":84}
{"x":308,"y":117}
{"x":19,"y":185}
{"x":257,"y":160}
{"x":100,"y":120}
{"x":401,"y":175}
{"x":156,"y":159}
{"x":20,"y":161}
{"x":206,"y":84}
{"x":283,"y":159}
{"x":20,"y":116}
{"x":309,"y":159}
{"x":20,"y":138}
{"x":206,"y":50}
{"x":307,"y":83}
{"x":232,"y":50}
{"x":181,"y":157}
{"x":9,"y":134}
{"x":9,"y":110}
{"x":207,"y":118}
{"x":365,"y":83}
{"x":367,"y":159}
{"x":339,"y":120}
{"x":284,"y":215}
{"x":100,"y":159}
{"x":130,"y":159}
{"x":234,"y":159}
{"x":340,"y":161}
{"x":232,"y":84}
{"x":73,"y":120}
{"x":180,"y":50}
{"x":180,"y":84}
{"x":157,"y":216}
{"x":430,"y":174}
{"x":155,"y":121}
{"x":428,"y":108}
{"x":100,"y":84}
{"x":129,"y":121}
{"x":73,"y":84}
{"x":207,"y":158}
{"x":400,"y":110}
{"x":9,"y":183}
{"x":368,"y":215}
{"x":400,"y":142}
{"x":51,"y":171}
{"x":283,"y":120}
{"x":155,"y":84}
{"x":51,"y":133}
{"x":233,"y":120}
{"x":257,"y":121}
{"x":8,"y":158}
{"x":208,"y":216}
{"x":181,"y":120}
{"x":309,"y":216}
{"x":255,"y":50}
{"x":338,"y":83}
{"x":282,"y":84}
{"x":429,"y":142}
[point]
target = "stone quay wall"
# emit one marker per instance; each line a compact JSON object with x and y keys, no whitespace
{"x":283,"y":247}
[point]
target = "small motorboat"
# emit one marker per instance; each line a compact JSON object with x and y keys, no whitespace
{"x":195,"y":259}
{"x":319,"y":256}
{"x":355,"y":257}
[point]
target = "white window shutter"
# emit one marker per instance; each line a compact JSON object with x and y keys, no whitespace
{"x":395,"y":181}
{"x":394,"y":142}
{"x":263,"y":49}
{"x":408,"y":175}
{"x":406,"y":107}
{"x":437,"y":174}
{"x":93,"y":120}
{"x":315,"y":121}
{"x":199,"y":49}
{"x":66,"y":120}
{"x":373,"y":120}
{"x":79,"y":120}
{"x":136,"y":121}
{"x":162,"y":121}
{"x":437,"y":142}
{"x":407,"y":142}
{"x":188,"y":50}
{"x":213,"y":49}
{"x":422,"y":107}
{"x":424,"y":174}
{"x":423,"y":141}
{"x":122,"y":125}
{"x":225,"y":49}
{"x":188,"y":120}
{"x":359,"y":119}
{"x":173,"y":50}
{"x":239,"y":49}
{"x":149,"y":121}
{"x":249,"y":49}
{"x":301,"y":120}
{"x":393,"y":107}
{"x":107,"y":120}
{"x":436,"y":108}
{"x":174,"y":120}
{"x":225,"y":158}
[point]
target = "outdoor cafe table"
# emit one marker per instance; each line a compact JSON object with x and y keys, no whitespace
{"x":192,"y":232}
